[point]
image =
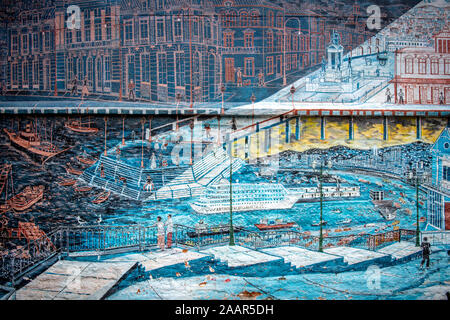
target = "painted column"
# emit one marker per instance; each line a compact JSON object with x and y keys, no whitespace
{"x":246,"y":148}
{"x":297,"y":128}
{"x":287,"y":131}
{"x":385,"y":129}
{"x":418,"y":128}
{"x":350,"y":128}
{"x":322,"y":128}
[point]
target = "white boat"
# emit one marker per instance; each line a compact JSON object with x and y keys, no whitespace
{"x":246,"y":197}
{"x":345,"y":221}
{"x":336,"y":211}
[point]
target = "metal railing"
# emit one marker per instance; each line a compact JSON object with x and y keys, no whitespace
{"x":437,"y":238}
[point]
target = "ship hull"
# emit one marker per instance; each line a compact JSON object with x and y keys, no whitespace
{"x":81,"y":129}
{"x":24,"y":146}
{"x":288,"y":203}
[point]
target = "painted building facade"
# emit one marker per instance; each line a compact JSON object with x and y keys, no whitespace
{"x":423,"y":74}
{"x":161,"y":50}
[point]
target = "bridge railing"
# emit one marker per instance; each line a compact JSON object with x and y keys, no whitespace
{"x":437,"y":238}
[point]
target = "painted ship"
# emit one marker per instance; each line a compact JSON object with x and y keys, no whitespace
{"x":79,"y":127}
{"x":30,"y":142}
{"x":246,"y":197}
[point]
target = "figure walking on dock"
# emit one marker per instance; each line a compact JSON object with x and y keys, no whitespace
{"x":160,"y":234}
{"x":169,"y":229}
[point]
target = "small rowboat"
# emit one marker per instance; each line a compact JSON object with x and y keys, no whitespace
{"x":67,"y":182}
{"x":85,"y":160}
{"x":27,"y":198}
{"x":102,"y":197}
{"x":73,"y":171}
{"x":82,"y":189}
{"x":266,"y":226}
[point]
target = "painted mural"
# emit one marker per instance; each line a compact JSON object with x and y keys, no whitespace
{"x":224,"y":149}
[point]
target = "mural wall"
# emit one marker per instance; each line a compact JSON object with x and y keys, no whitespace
{"x":213,"y":142}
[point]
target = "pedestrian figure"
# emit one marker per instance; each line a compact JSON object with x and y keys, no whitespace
{"x":388,"y":95}
{"x":102,"y":171}
{"x":131,"y":87}
{"x":239,"y":77}
{"x":118,"y":153}
{"x":441,"y":98}
{"x":233,"y":124}
{"x":400,"y":96}
{"x":84,"y":90}
{"x":133,"y":135}
{"x":74,"y":85}
{"x":169,"y":230}
{"x":426,"y":251}
{"x":261,"y":78}
{"x":160,"y":232}
{"x":149,"y":186}
{"x":208,"y":131}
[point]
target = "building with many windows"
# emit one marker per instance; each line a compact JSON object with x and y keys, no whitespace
{"x":159,"y":50}
{"x":423,"y":74}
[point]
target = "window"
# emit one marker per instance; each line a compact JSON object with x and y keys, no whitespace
{"x":294,"y":61}
{"x":35,"y":42}
{"x":107,"y":62}
{"x":288,"y":62}
{"x":207,"y":29}
{"x":108,"y":28}
{"x":422,"y":66}
{"x":145,"y":65}
{"x":270,"y":41}
{"x":35,"y":72}
{"x":87,"y":26}
{"x":255,"y":18}
{"x":248,"y":40}
{"x":98,"y":30}
{"x":446,"y":173}
{"x":160,"y":30}
{"x":14,"y":73}
{"x":25,"y":73}
{"x":68,"y":37}
{"x":179,"y":69}
{"x":249,"y":67}
{"x":162,"y":68}
{"x":269,"y":65}
{"x":447,"y":66}
{"x":434,"y":66}
{"x":228,"y":40}
{"x":128,"y":30}
{"x":408,"y":65}
{"x":78,"y":35}
{"x":25,"y":44}
{"x":177,"y":28}
{"x":288,"y":42}
{"x":144,"y":29}
{"x":270,"y":19}
{"x":279,"y":42}
{"x":195,"y":26}
{"x":244,"y":19}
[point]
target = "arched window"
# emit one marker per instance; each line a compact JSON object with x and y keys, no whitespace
{"x":434,"y":66}
{"x":270,"y":18}
{"x":244,"y":18}
{"x":255,"y":18}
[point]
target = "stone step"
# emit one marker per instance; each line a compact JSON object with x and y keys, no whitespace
{"x":401,"y":251}
{"x":307,"y":260}
{"x":80,"y":280}
{"x":359,"y":258}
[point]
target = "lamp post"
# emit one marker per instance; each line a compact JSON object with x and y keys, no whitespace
{"x":178,"y":97}
{"x":222,"y":90}
{"x":231,"y":196}
{"x":191,"y":125}
{"x":314,"y":165}
{"x":106,"y":121}
{"x":142,"y":143}
{"x":253,"y":99}
{"x":218,"y":130}
{"x":123,"y":130}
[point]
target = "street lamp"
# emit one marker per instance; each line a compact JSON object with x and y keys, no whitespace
{"x":218,"y":130}
{"x":123,"y":130}
{"x":178,"y":97}
{"x":253,"y":99}
{"x":142,"y":143}
{"x":106,"y":121}
{"x":191,"y":125}
{"x":231,"y":195}
{"x":314,"y":165}
{"x":222,"y":90}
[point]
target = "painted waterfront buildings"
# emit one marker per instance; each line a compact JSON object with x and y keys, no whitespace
{"x":423,"y":74}
{"x":159,"y":50}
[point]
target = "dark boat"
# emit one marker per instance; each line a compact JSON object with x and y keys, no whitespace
{"x":316,"y":224}
{"x":102,"y":197}
{"x":271,"y":225}
{"x":212,"y":232}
